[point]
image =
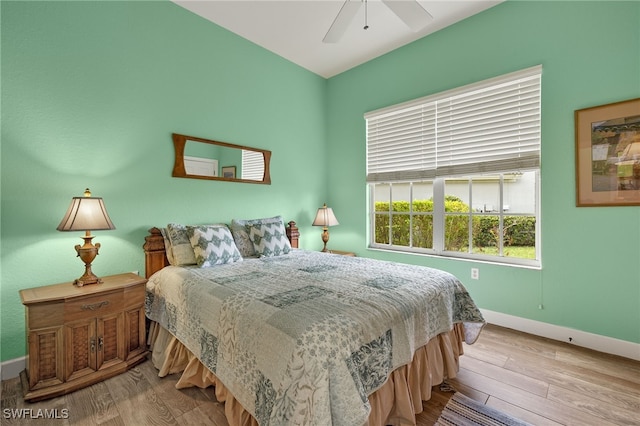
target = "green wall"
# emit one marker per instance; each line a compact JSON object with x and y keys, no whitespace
{"x":91,"y":92}
{"x":590,"y":53}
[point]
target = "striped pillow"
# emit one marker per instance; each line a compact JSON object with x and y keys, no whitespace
{"x":269,"y":239}
{"x":213,"y":245}
{"x":241,"y":235}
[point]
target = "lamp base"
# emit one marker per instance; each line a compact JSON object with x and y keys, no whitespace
{"x":325,"y":239}
{"x":87,"y":253}
{"x":87,"y":279}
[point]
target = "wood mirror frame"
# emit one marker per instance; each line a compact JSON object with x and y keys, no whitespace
{"x":180,"y":169}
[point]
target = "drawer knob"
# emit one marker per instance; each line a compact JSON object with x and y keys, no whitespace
{"x":94,"y":306}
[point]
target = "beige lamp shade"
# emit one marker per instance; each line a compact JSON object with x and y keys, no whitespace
{"x":325,"y":218}
{"x":86,"y":214}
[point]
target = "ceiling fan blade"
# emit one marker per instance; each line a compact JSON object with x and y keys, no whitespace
{"x":411,"y":13}
{"x":342,"y":21}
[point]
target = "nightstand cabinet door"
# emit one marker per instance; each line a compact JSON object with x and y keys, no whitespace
{"x":135,"y":333}
{"x":110,"y":341}
{"x":46,"y":357}
{"x":80,"y":349}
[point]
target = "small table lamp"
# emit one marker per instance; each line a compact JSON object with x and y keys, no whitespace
{"x":86,"y":214}
{"x":325,"y":218}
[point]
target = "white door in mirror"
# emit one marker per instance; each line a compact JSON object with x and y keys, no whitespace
{"x":201,"y":166}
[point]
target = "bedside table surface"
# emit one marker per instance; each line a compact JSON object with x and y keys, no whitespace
{"x":343,"y":253}
{"x":68,"y":290}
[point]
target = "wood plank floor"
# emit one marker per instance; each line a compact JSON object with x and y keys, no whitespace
{"x":541,"y":381}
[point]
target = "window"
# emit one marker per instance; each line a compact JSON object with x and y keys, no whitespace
{"x":458,"y":173}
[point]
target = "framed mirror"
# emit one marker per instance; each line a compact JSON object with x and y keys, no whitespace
{"x":200,"y":158}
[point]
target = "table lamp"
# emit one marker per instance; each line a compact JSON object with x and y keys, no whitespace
{"x":87,"y":214}
{"x":325,"y":218}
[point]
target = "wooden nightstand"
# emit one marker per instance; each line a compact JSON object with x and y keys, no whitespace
{"x":78,"y":336}
{"x":343,"y":253}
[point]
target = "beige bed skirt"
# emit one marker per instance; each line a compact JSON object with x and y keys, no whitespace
{"x":396,"y":403}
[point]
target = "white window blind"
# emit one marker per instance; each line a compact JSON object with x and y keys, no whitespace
{"x":252,"y":165}
{"x":491,"y":126}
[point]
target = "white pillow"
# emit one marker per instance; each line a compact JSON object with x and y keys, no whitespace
{"x":213,"y":245}
{"x":269,"y":239}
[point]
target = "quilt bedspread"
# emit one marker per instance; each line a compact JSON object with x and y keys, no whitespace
{"x":305,"y":338}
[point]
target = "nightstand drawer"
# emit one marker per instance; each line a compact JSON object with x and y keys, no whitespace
{"x":135,"y":295}
{"x":97,"y":305}
{"x":47,"y":314}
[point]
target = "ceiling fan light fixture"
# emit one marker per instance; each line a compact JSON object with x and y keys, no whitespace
{"x":409,"y":11}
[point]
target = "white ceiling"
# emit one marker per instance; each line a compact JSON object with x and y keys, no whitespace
{"x":294,"y":29}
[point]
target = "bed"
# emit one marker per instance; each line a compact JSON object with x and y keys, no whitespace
{"x":290,"y":336}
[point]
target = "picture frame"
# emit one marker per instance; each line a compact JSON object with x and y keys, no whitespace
{"x":608,"y":154}
{"x":229,"y":172}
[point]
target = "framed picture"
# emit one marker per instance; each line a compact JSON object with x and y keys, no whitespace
{"x":229,"y":172}
{"x":608,"y":155}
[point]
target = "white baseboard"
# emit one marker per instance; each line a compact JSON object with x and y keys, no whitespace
{"x":12,"y":368}
{"x":565,"y":334}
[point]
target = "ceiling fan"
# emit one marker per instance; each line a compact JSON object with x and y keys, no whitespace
{"x":409,"y":11}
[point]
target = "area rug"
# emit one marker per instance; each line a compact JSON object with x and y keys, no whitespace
{"x":464,"y":411}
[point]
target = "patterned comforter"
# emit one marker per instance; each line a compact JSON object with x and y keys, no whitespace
{"x":305,"y":338}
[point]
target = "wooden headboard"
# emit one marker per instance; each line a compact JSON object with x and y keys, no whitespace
{"x":155,"y":256}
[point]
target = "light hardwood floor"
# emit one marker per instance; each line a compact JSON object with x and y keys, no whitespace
{"x":538,"y":380}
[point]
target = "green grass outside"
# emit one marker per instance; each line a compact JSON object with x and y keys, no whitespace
{"x":510,"y":251}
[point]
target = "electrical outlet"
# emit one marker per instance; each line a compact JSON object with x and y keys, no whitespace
{"x":475,"y":273}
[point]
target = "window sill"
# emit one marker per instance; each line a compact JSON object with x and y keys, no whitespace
{"x":459,"y":258}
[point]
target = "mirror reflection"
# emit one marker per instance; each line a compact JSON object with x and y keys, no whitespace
{"x":200,"y":158}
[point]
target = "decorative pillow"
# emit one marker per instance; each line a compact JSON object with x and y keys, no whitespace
{"x":241,"y":235}
{"x":269,"y":239}
{"x":181,"y":249}
{"x":167,"y":245}
{"x":213,"y":245}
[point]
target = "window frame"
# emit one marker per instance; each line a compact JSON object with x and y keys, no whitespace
{"x":439,"y":218}
{"x":437,"y":176}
